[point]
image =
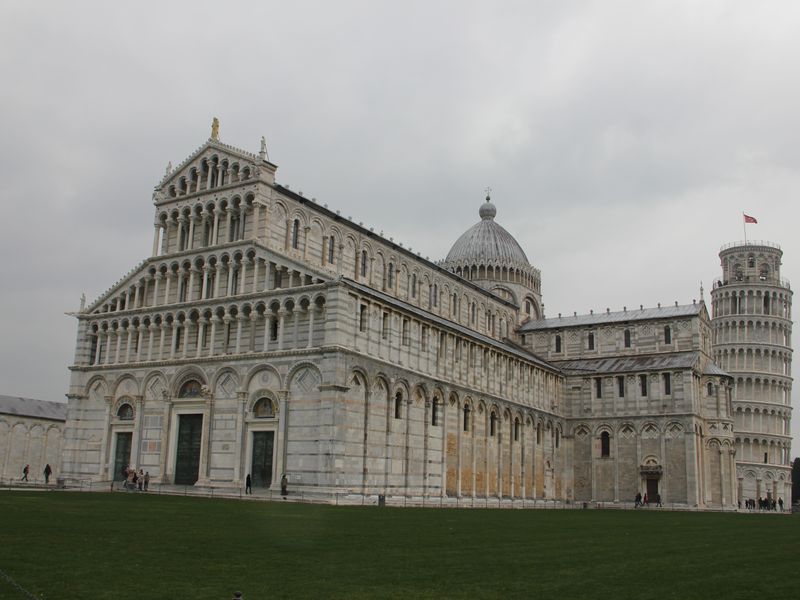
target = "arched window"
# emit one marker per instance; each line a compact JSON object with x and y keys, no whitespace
{"x":331,"y":249}
{"x":435,"y":294}
{"x":751,"y":261}
{"x":273,"y":329}
{"x":390,"y":277}
{"x":605,"y":445}
{"x":466,"y":417}
{"x":295,"y":233}
{"x":190,"y":389}
{"x":125,"y":412}
{"x":473,"y":313}
{"x":591,"y":341}
{"x":363,"y":263}
{"x":208,"y":225}
{"x":710,"y":389}
{"x":737,"y":272}
{"x":414,"y":285}
{"x":667,"y":334}
{"x":398,"y":406}
{"x":539,"y":433}
{"x":627,"y":336}
{"x":516,"y":430}
{"x":234,"y":233}
{"x":492,"y":424}
{"x":264,"y":409}
{"x":558,"y":343}
{"x":764,"y":273}
{"x":558,"y":437}
{"x":435,"y":412}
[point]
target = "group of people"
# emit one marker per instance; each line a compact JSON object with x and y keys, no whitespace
{"x":47,"y":472}
{"x":135,"y":480}
{"x":645,"y":500}
{"x":764,"y":504}
{"x":248,"y":485}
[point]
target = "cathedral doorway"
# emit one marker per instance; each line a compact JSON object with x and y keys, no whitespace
{"x":187,"y":460}
{"x":122,"y":454}
{"x":263,"y":443}
{"x":652,"y":489}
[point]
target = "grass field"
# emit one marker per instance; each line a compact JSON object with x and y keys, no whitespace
{"x":72,"y":545}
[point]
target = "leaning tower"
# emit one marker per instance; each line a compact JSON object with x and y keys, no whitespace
{"x":752,"y":321}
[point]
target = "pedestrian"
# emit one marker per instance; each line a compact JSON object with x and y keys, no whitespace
{"x":646,"y":499}
{"x":47,"y":472}
{"x":146,"y":480}
{"x":141,"y":480}
{"x":25,"y":472}
{"x":284,"y":485}
{"x":130,"y":483}
{"x":248,"y":485}
{"x":658,"y":500}
{"x":780,"y":503}
{"x":637,"y":501}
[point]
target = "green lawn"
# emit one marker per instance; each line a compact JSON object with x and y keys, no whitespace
{"x":73,"y":545}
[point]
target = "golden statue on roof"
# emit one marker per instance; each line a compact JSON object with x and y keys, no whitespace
{"x":215,"y":129}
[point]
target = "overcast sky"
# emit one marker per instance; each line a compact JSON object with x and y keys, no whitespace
{"x":622,"y":140}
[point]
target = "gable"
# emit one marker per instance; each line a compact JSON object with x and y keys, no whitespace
{"x":213,"y":165}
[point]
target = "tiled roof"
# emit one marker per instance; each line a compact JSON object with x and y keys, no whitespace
{"x":626,"y":364}
{"x":622,"y":316}
{"x":38,"y":409}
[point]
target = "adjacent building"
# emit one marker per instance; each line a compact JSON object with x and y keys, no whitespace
{"x":31,"y":433}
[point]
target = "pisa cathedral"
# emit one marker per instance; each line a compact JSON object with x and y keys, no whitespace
{"x":267,"y":334}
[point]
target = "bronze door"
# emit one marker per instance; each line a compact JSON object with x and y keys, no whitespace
{"x":187,"y":460}
{"x":263,"y":442}
{"x":652,"y":489}
{"x":122,"y":455}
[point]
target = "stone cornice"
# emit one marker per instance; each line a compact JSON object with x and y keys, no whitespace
{"x":193,"y":197}
{"x":177,"y":256}
{"x":178,"y":362}
{"x":200,"y":304}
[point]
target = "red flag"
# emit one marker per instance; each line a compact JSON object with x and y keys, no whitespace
{"x":749,"y":219}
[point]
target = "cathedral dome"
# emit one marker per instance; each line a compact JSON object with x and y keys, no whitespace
{"x":487,"y":242}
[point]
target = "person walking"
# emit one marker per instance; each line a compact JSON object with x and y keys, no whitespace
{"x":658,"y":500}
{"x":140,"y":480}
{"x":146,"y":480}
{"x":47,"y":472}
{"x":248,"y":485}
{"x":25,"y":473}
{"x":284,"y":485}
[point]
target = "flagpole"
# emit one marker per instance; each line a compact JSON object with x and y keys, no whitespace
{"x":744,"y":226}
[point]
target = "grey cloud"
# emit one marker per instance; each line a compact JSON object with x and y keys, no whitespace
{"x":622,"y":139}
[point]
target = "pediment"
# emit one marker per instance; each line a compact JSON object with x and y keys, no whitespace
{"x":116,"y":292}
{"x":213,"y":165}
